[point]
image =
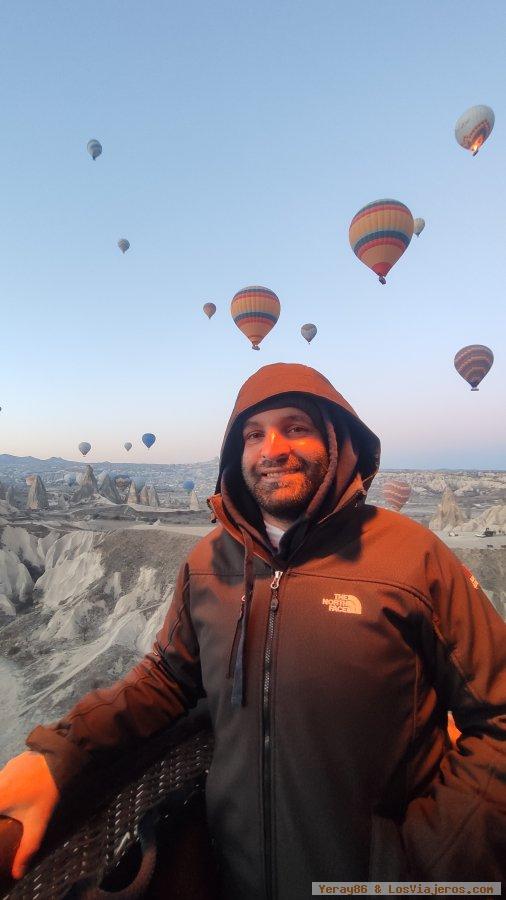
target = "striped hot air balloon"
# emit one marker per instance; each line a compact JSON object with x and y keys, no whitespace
{"x":380,"y":233}
{"x":473,"y":363}
{"x":255,"y":310}
{"x":396,"y":494}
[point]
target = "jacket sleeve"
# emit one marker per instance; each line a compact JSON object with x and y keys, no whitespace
{"x":457,"y":830}
{"x":153,"y":695}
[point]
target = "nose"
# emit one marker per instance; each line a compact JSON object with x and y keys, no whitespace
{"x":274,"y":445}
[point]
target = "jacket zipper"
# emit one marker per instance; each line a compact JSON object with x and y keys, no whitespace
{"x":266,"y":717}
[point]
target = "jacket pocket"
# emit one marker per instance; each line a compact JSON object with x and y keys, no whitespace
{"x":387,"y":857}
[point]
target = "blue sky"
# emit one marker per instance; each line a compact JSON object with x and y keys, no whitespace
{"x":239,"y":141}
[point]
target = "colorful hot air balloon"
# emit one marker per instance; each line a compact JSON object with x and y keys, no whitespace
{"x":308,"y":332}
{"x":209,"y":309}
{"x":380,"y":233}
{"x":188,"y":485}
{"x":148,"y":439}
{"x":123,"y":245}
{"x":94,"y":148}
{"x":473,"y":363}
{"x":84,"y":447}
{"x":127,"y":445}
{"x":474,"y":127}
{"x":396,"y":494}
{"x":419,"y":226}
{"x":255,"y":310}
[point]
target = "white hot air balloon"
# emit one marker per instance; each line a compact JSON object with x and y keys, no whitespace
{"x":419,"y":226}
{"x":474,"y":127}
{"x":123,"y":245}
{"x":308,"y":331}
{"x":94,"y":148}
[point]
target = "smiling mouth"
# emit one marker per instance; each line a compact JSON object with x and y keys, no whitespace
{"x":276,"y":475}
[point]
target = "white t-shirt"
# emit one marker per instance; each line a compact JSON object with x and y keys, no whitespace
{"x":274,"y":534}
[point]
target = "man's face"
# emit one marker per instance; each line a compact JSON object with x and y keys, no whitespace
{"x":284,"y":460}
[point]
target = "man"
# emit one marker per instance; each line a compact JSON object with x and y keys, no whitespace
{"x":331,"y":638}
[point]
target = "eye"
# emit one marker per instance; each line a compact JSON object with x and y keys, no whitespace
{"x":252,"y":435}
{"x":302,"y":428}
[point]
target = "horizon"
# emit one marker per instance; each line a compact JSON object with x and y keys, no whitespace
{"x":247,"y":169}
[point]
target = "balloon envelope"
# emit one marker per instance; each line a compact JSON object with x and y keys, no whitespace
{"x":380,"y":233}
{"x":94,"y":148}
{"x":84,"y":447}
{"x":127,"y":445}
{"x":419,"y":226}
{"x":473,"y":363}
{"x":123,"y":245}
{"x":255,"y":310}
{"x":396,"y":493}
{"x":474,"y":127}
{"x":308,"y":331}
{"x":188,"y":485}
{"x":148,"y":439}
{"x":209,"y":309}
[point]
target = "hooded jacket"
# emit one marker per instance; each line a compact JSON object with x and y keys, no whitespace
{"x":329,"y":669}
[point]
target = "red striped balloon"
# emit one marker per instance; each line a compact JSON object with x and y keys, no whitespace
{"x":473,"y":363}
{"x":255,"y":310}
{"x":396,"y":494}
{"x":380,"y":233}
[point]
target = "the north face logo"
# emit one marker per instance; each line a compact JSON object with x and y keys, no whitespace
{"x":345,"y":603}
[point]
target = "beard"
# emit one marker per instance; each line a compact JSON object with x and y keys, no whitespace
{"x":286,"y":496}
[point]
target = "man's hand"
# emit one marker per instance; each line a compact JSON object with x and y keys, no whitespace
{"x":29,"y":794}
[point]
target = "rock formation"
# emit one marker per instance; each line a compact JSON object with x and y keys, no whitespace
{"x":2,"y":491}
{"x":493,"y":518}
{"x":109,"y":490}
{"x":194,"y":501}
{"x":148,"y":496}
{"x":88,"y":486}
{"x":10,"y":495}
{"x":132,"y":496}
{"x":448,"y":514}
{"x":37,"y":497}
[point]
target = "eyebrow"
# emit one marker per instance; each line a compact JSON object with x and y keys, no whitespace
{"x":293,"y":417}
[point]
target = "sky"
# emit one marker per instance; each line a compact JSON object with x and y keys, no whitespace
{"x":239,"y":140}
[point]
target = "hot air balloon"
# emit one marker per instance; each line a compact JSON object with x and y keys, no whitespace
{"x":209,"y":309}
{"x":69,"y":479}
{"x":127,"y":445}
{"x":473,"y":363}
{"x":188,"y":485}
{"x":84,"y":447}
{"x":396,"y":494}
{"x":380,"y":233}
{"x":308,"y":332}
{"x":148,"y":439}
{"x":123,"y":245}
{"x":474,"y":127}
{"x":94,"y":148}
{"x":419,"y":226}
{"x":255,"y":310}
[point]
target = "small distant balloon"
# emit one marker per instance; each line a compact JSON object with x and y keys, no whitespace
{"x":255,"y":310}
{"x":209,"y":309}
{"x":419,"y":226}
{"x":308,"y":331}
{"x":123,"y":245}
{"x":148,"y":439}
{"x":380,"y":233}
{"x":473,"y":363}
{"x":69,"y":479}
{"x":188,"y":485}
{"x":396,"y":494}
{"x":127,"y":445}
{"x":94,"y":148}
{"x":474,"y":127}
{"x":84,"y":447}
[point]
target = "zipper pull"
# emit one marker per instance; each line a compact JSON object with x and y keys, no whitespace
{"x":274,"y":590}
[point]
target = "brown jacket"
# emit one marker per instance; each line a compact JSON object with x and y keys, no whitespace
{"x":328,"y":687}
